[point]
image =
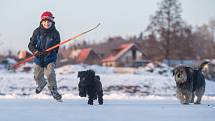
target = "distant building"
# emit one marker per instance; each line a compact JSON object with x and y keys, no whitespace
{"x":88,"y":56}
{"x":123,"y":55}
{"x":63,"y":57}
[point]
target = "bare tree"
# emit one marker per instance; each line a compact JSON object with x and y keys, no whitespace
{"x":152,"y":48}
{"x":212,"y":28}
{"x":183,"y":47}
{"x":203,"y":42}
{"x":166,"y":24}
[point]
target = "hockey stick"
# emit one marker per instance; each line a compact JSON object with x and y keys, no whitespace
{"x":53,"y":47}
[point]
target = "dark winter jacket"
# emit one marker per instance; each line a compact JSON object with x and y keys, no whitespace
{"x":43,"y":39}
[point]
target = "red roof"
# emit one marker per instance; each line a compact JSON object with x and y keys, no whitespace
{"x":121,"y":50}
{"x":83,"y":55}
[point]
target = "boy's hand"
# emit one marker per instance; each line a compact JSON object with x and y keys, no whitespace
{"x":40,"y":54}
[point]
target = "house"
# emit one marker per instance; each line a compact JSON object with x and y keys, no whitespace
{"x":77,"y":56}
{"x":123,"y":55}
{"x":88,"y":56}
{"x":63,"y":57}
{"x":104,"y":49}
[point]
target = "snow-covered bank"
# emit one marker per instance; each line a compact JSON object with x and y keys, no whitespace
{"x":118,"y":83}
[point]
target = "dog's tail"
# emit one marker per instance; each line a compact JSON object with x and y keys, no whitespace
{"x":203,"y":64}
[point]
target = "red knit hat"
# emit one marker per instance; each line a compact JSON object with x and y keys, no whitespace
{"x":47,"y":16}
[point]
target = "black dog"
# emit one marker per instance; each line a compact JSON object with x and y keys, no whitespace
{"x":190,"y":82}
{"x":90,"y":85}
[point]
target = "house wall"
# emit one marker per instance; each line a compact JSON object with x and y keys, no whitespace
{"x":74,"y":54}
{"x":128,"y":58}
{"x":92,"y":59}
{"x":110,"y":64}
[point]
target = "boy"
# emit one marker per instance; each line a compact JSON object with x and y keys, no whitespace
{"x":44,"y":37}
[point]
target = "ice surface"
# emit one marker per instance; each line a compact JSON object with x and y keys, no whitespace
{"x":112,"y":110}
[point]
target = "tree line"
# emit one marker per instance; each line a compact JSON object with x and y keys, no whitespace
{"x":167,"y":36}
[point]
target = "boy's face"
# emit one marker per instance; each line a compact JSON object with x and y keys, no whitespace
{"x":46,"y":24}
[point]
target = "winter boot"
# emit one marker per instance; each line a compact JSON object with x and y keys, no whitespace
{"x":55,"y":93}
{"x":40,"y":87}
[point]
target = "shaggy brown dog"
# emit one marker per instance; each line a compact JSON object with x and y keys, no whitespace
{"x":190,"y":82}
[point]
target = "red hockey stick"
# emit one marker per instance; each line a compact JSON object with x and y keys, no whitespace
{"x":53,"y":47}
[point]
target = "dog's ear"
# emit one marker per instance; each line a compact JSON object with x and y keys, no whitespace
{"x":79,"y":74}
{"x":173,"y":72}
{"x":97,"y":77}
{"x":92,"y":72}
{"x":189,"y":70}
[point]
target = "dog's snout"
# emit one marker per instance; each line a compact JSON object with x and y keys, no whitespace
{"x":178,"y":75}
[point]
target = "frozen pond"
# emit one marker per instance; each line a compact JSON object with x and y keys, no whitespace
{"x":112,"y":110}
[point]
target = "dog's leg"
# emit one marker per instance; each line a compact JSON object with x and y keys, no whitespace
{"x":180,"y":96}
{"x":187,"y":98}
{"x":82,"y":92}
{"x":184,"y":99}
{"x":198,"y":101}
{"x":193,"y":96}
{"x":199,"y":93}
{"x":90,"y":101}
{"x":99,"y":90}
{"x":100,"y":100}
{"x":90,"y":96}
{"x":100,"y":97}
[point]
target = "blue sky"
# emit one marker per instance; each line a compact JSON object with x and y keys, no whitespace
{"x":118,"y":17}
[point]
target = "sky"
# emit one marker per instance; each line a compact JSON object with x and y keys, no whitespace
{"x":117,"y":17}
